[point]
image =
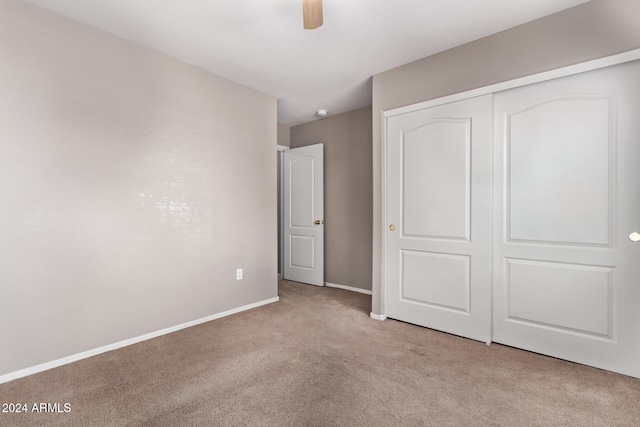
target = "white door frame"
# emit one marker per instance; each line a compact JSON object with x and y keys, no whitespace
{"x":379,"y":230}
{"x":280,"y":149}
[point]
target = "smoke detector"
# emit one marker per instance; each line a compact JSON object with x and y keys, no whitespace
{"x":322,"y":113}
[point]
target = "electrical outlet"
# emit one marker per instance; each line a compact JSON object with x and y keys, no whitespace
{"x":239,"y":274}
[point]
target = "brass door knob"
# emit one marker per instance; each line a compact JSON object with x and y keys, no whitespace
{"x":392,"y":227}
{"x":318,"y":222}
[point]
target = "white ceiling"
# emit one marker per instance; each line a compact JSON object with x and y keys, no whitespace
{"x":261,"y":43}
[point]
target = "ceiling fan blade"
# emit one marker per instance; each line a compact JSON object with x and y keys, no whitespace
{"x":312,"y":14}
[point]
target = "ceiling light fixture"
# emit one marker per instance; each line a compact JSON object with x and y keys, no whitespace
{"x":311,"y":14}
{"x":322,"y":113}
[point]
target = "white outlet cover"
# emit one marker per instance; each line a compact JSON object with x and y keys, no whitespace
{"x":239,"y":274}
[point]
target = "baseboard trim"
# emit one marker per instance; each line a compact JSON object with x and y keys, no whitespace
{"x":89,"y":353}
{"x":377,"y":316}
{"x":348,"y":288}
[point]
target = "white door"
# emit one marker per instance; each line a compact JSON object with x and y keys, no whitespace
{"x":438,"y":237}
{"x":567,"y":198}
{"x":304,"y":215}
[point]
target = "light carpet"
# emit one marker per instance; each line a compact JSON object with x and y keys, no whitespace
{"x":316,"y":359}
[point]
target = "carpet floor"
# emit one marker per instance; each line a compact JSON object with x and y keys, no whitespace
{"x":316,"y":359}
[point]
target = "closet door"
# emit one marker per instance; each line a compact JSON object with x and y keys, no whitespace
{"x":567,"y":200}
{"x":438,"y":258}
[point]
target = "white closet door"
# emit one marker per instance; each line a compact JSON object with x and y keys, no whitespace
{"x":438,"y":271}
{"x":567,"y":198}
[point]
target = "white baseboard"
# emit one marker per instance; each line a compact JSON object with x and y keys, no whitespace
{"x":75,"y":357}
{"x":377,"y":316}
{"x":348,"y":288}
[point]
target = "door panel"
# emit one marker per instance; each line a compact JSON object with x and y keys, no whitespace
{"x":436,"y":172}
{"x":563,"y":296}
{"x":301,"y":189}
{"x":438,"y":250}
{"x":566,"y":198}
{"x":451,"y":272}
{"x":303,"y":207}
{"x":559,"y":165}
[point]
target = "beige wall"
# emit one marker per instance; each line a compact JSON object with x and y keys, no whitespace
{"x":592,"y":30}
{"x":347,"y":193}
{"x":132,"y":186}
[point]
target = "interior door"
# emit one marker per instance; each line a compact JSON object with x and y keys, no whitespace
{"x":567,"y":200}
{"x":304,"y":215}
{"x":438,"y":238}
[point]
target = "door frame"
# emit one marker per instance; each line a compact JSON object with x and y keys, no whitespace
{"x":380,"y":211}
{"x":280,"y":156}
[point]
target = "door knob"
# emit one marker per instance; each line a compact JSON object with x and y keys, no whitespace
{"x":634,"y":237}
{"x":318,"y":222}
{"x":392,"y":227}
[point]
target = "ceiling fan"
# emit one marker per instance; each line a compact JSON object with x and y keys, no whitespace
{"x":312,"y":14}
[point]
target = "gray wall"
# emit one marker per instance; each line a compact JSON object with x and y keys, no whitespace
{"x":284,"y":135}
{"x":347,"y":193}
{"x":133,"y":185}
{"x":592,"y":30}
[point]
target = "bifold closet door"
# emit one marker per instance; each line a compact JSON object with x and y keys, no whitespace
{"x":567,"y":200}
{"x":438,"y":238}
